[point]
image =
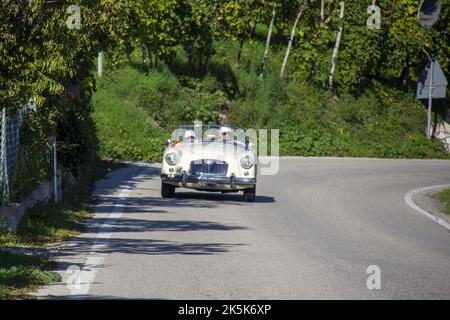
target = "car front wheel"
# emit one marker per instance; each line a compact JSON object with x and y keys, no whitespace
{"x":167,"y":190}
{"x":250,"y":194}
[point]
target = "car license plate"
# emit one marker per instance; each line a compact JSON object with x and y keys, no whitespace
{"x":207,"y":185}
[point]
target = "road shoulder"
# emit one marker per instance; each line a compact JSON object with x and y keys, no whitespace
{"x":422,"y":201}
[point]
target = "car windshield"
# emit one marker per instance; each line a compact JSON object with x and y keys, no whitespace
{"x":209,"y":133}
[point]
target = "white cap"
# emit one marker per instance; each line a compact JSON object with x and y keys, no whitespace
{"x":224,"y":130}
{"x":189,"y":134}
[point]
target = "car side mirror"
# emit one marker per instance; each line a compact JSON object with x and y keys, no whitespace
{"x":167,"y":142}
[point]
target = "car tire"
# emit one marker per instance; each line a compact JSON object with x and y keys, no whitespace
{"x":167,"y":190}
{"x":250,"y":194}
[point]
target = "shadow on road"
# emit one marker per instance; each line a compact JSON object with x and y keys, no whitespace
{"x":131,"y":177}
{"x":224,"y":198}
{"x":140,"y":225}
{"x":88,"y":245}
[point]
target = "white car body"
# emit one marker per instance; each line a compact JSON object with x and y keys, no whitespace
{"x":209,"y":164}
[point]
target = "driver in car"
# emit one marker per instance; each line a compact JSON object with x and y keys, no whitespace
{"x":189,"y":136}
{"x":225,"y":134}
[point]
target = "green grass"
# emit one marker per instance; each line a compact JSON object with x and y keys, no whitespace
{"x":46,"y":223}
{"x":444,"y":197}
{"x":43,"y":224}
{"x":125,"y":131}
{"x":21,"y":273}
{"x":137,"y":107}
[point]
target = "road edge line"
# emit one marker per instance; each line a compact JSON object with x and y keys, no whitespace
{"x":94,"y":260}
{"x":409,"y":201}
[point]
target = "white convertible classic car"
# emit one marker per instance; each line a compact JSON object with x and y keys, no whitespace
{"x":209,"y":158}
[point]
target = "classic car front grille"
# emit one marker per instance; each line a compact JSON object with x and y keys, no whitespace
{"x":209,"y":167}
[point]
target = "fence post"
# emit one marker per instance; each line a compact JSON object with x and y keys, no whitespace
{"x":4,"y":160}
{"x":100,"y":64}
{"x":55,"y":172}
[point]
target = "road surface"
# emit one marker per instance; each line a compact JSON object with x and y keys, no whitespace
{"x":312,"y":233}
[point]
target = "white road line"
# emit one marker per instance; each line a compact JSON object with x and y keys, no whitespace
{"x":96,"y":258}
{"x":409,"y":201}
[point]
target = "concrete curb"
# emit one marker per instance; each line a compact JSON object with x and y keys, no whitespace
{"x":409,"y":201}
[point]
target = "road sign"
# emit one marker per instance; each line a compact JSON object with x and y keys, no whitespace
{"x":439,"y":82}
{"x":429,"y":12}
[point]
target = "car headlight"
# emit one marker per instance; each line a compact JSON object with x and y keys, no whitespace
{"x":247,"y":162}
{"x":172,"y":158}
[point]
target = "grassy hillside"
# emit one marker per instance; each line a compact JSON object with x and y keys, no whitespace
{"x":137,"y":106}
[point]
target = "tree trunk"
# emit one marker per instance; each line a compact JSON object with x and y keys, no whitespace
{"x":336,"y":47}
{"x":334,"y":57}
{"x":404,"y":76}
{"x":291,"y":38}
{"x":128,"y":51}
{"x":322,"y":10}
{"x":211,"y":31}
{"x":150,"y":59}
{"x":191,"y":55}
{"x":314,"y":59}
{"x":144,"y":54}
{"x":252,"y":34}
{"x":269,"y":34}
{"x":239,"y":56}
{"x":156,"y":58}
{"x":200,"y":60}
{"x":207,"y":64}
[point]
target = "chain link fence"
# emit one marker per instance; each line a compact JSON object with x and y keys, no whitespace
{"x":9,"y":149}
{"x":26,"y":161}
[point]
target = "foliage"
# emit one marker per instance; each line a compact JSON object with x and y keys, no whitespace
{"x":46,"y":223}
{"x":395,"y":53}
{"x":21,"y":273}
{"x":382,"y":122}
{"x":444,"y":197}
{"x":199,"y":41}
{"x":134,"y":110}
{"x":125,"y":130}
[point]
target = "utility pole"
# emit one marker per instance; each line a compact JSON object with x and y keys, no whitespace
{"x":430,"y":98}
{"x":427,"y":16}
{"x":100,"y":64}
{"x":55,"y":172}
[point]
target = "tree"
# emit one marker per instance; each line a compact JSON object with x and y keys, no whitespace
{"x":238,"y":19}
{"x":45,"y":60}
{"x":200,"y":24}
{"x":291,"y":38}
{"x":269,"y":34}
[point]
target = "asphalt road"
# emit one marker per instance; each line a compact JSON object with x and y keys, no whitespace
{"x":312,"y":233}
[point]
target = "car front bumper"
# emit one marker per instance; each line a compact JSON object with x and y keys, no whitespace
{"x":208,"y":182}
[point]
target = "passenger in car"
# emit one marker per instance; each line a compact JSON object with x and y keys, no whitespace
{"x":225,"y":133}
{"x":189,"y":136}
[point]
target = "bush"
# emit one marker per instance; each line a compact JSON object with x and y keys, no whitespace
{"x":136,"y":110}
{"x":21,"y":273}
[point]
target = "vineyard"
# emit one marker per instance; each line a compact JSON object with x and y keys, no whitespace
{"x":255,"y":63}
